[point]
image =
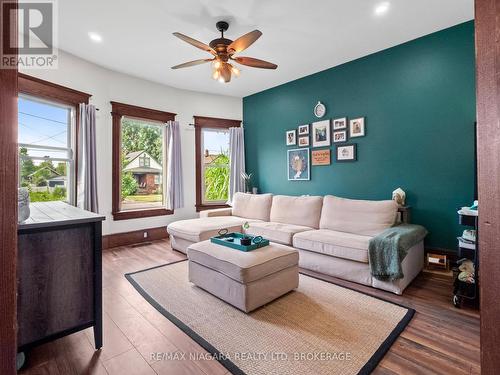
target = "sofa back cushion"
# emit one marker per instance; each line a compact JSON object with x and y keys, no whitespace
{"x":305,"y":211}
{"x":357,"y":216}
{"x":252,"y":206}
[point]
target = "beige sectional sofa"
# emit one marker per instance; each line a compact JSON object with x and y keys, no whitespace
{"x":331,"y":233}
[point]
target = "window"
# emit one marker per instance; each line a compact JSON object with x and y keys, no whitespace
{"x":138,"y":161}
{"x":212,"y":161}
{"x":48,"y":127}
{"x":144,"y":161}
{"x":46,"y":156}
{"x":215,"y":166}
{"x":142,"y":164}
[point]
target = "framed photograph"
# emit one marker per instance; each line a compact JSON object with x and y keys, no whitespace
{"x":320,"y":157}
{"x":321,"y":133}
{"x":304,"y":141}
{"x":357,"y":127}
{"x":304,"y":129}
{"x":298,"y":165}
{"x":346,"y":153}
{"x":340,"y":136}
{"x":340,"y":123}
{"x":291,"y":138}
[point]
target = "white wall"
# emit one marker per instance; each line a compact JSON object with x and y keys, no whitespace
{"x":105,"y":86}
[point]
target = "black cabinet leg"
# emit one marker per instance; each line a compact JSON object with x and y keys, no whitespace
{"x":98,"y":335}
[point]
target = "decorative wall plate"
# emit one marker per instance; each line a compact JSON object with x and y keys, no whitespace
{"x":319,"y":110}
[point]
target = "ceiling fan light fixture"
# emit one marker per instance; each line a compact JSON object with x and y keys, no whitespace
{"x":217,"y":64}
{"x":222,"y":51}
{"x":235,"y":71}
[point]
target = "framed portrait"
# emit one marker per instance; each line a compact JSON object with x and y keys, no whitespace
{"x":304,"y":141}
{"x":340,"y":136}
{"x":291,"y":138}
{"x":298,"y":164}
{"x":357,"y":127}
{"x":321,"y":133}
{"x":346,"y":153}
{"x":340,"y":123}
{"x":304,"y":129}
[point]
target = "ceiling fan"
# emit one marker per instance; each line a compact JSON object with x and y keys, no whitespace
{"x":223,"y":51}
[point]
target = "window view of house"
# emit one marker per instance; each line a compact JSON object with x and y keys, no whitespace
{"x":142,"y":165}
{"x":45,"y":150}
{"x":215,"y":170}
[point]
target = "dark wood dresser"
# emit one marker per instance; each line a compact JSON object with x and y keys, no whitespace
{"x":59,"y":274}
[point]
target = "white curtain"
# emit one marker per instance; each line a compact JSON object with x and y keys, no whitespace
{"x":236,"y":161}
{"x":172,"y":154}
{"x":87,"y":171}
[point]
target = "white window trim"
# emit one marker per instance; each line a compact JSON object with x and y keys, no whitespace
{"x":70,"y":159}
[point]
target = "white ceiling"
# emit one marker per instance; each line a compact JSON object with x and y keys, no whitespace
{"x":302,"y":37}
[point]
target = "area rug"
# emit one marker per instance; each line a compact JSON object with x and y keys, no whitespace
{"x":320,"y":328}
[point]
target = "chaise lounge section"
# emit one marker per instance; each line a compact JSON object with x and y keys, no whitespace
{"x":332,"y":234}
{"x":247,"y":208}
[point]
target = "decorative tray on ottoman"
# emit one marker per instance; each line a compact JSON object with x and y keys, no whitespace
{"x":234,"y":240}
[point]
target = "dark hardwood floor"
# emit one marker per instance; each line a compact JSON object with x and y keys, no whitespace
{"x":439,"y":340}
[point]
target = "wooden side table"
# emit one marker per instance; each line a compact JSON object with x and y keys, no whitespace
{"x":405,"y":212}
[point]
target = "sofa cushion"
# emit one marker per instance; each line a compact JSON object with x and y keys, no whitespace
{"x":304,"y":211}
{"x":363,"y":217}
{"x":338,"y":244}
{"x":201,"y":229}
{"x":252,"y":206}
{"x":241,"y":266}
{"x":275,"y":232}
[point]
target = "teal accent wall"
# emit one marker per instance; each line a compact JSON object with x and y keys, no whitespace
{"x":419,"y":102}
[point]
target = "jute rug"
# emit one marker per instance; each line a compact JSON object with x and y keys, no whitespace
{"x":320,"y":328}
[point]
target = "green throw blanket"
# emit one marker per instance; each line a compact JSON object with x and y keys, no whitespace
{"x":387,"y":250}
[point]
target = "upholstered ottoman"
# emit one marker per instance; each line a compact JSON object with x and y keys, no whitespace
{"x":246,"y":280}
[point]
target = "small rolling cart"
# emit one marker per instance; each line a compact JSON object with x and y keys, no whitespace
{"x":466,"y":252}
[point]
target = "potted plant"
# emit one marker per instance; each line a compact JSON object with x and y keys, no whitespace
{"x":246,"y":240}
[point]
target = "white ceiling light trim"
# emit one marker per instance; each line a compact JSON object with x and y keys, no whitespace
{"x":382,"y":8}
{"x":95,"y":37}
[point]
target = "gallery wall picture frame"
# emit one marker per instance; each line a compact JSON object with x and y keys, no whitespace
{"x":304,"y":129}
{"x":291,"y":138}
{"x":298,"y":164}
{"x":321,"y":133}
{"x":340,"y":123}
{"x":320,"y":157}
{"x":345,"y":153}
{"x":339,"y":136}
{"x":357,"y":127}
{"x":304,"y":141}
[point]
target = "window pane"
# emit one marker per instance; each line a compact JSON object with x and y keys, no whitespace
{"x":215,"y":165}
{"x":45,"y":164}
{"x":142,"y":158}
{"x":46,"y":180}
{"x":43,"y":124}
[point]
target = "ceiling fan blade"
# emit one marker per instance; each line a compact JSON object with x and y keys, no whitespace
{"x":225,"y":72}
{"x":254,"y":63}
{"x":195,"y":43}
{"x":192,"y":63}
{"x":243,"y":42}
